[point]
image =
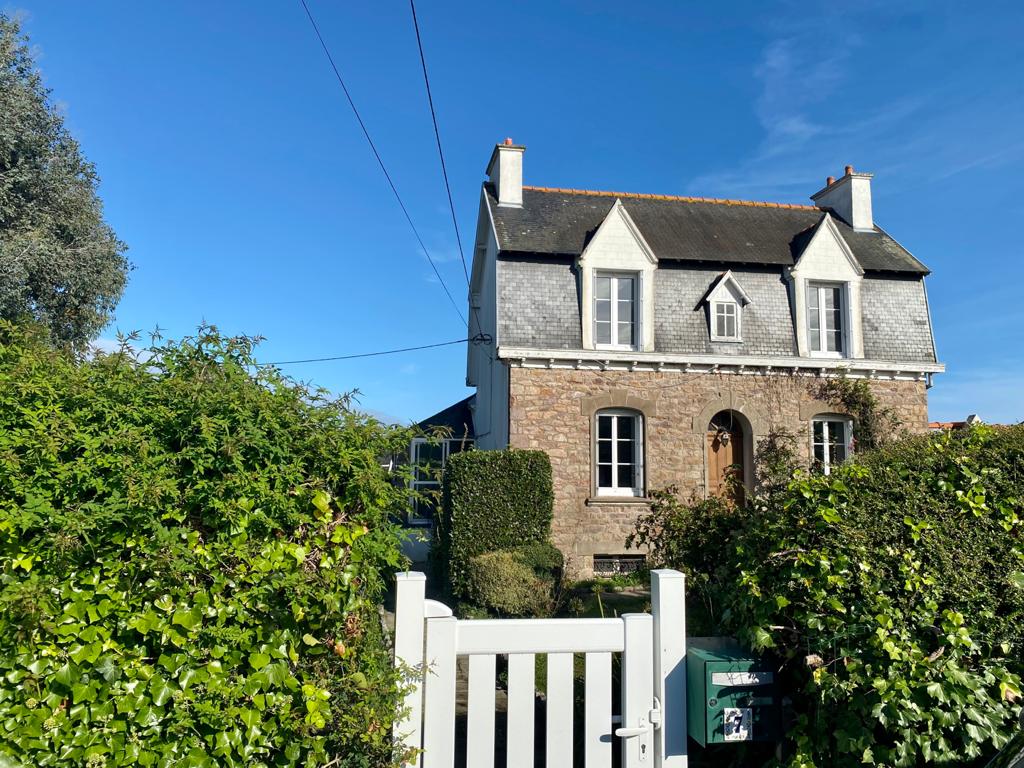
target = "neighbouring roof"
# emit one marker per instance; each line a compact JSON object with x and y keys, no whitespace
{"x":458,"y":418}
{"x":561,"y":222}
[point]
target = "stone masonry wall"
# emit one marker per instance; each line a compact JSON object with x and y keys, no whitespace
{"x":552,"y":410}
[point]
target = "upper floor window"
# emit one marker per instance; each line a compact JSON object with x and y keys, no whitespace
{"x":615,"y":310}
{"x":831,"y":439}
{"x":825,"y":319}
{"x":619,"y":458}
{"x":428,"y":457}
{"x":725,"y":321}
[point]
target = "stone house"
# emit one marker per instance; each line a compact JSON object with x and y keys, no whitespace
{"x":651,"y":340}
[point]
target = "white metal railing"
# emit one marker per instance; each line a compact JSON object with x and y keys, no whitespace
{"x":652,"y":732}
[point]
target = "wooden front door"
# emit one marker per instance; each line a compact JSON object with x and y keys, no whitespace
{"x":725,"y":451}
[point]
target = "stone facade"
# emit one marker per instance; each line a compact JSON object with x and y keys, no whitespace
{"x":553,"y":410}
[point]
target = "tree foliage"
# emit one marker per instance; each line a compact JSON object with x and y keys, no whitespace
{"x":60,"y":263}
{"x":192,"y":550}
{"x":891,"y":591}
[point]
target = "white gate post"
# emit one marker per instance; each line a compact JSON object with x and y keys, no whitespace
{"x":668,"y":606}
{"x":410,"y":588}
{"x":637,"y":692}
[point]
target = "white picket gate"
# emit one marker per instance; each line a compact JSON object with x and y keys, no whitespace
{"x":652,"y":726}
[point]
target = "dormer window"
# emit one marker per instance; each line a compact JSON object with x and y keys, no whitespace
{"x":826,"y":319}
{"x":615,"y":310}
{"x":726,"y":299}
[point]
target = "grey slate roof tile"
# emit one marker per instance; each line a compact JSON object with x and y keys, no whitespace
{"x":561,"y":222}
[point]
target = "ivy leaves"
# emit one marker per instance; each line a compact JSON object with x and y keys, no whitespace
{"x":191,"y":555}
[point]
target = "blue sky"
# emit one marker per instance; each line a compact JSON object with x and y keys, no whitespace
{"x":233,"y":168}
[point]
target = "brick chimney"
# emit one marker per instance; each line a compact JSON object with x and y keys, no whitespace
{"x":506,"y":173}
{"x":850,"y":197}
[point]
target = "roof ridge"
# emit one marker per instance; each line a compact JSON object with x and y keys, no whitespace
{"x":675,"y":198}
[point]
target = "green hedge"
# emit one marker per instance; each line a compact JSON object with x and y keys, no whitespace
{"x":891,"y":591}
{"x":491,"y":500}
{"x":192,"y":550}
{"x":515,"y":582}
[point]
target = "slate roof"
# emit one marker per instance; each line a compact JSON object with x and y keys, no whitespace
{"x":561,"y":222}
{"x":457,"y":417}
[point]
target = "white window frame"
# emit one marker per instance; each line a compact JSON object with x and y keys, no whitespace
{"x":615,"y":490}
{"x":412,"y":519}
{"x":816,"y":342}
{"x":715,"y":336}
{"x":828,"y":423}
{"x":635,"y":277}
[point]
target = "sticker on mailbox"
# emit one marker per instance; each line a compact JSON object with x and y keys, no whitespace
{"x":738,"y":724}
{"x":742,"y":678}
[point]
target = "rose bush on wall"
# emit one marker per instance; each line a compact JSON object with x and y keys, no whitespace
{"x":891,"y":592}
{"x":192,"y":549}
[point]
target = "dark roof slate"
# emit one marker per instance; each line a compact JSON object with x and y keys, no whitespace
{"x":555,"y":221}
{"x":457,"y":417}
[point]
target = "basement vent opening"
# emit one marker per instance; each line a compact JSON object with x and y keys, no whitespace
{"x":609,"y":565}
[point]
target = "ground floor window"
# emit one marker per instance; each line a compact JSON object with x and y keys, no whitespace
{"x":427,"y":458}
{"x":831,"y":441}
{"x":619,"y":453}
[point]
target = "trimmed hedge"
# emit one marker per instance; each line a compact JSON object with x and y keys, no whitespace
{"x":491,"y":500}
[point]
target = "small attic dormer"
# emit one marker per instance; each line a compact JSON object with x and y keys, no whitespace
{"x":725,"y":301}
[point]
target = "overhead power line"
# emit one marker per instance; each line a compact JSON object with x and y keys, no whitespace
{"x":437,"y":135}
{"x":370,"y":354}
{"x":380,"y":161}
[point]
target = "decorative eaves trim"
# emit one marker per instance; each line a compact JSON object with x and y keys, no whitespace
{"x":604,"y":360}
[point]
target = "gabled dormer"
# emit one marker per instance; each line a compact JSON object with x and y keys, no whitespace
{"x":616,"y":280}
{"x":725,"y":301}
{"x":825,"y":286}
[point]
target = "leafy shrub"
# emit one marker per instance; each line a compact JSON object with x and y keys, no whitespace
{"x":503,"y":584}
{"x":892,"y":592}
{"x":543,"y":558}
{"x":191,"y":552}
{"x":491,"y":500}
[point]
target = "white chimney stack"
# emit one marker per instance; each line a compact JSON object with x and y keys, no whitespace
{"x":506,"y":173}
{"x":849,"y":197}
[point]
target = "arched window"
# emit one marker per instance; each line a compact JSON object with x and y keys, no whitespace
{"x":619,"y":453}
{"x":831,"y":440}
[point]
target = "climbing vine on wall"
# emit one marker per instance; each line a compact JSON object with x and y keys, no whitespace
{"x":874,"y":423}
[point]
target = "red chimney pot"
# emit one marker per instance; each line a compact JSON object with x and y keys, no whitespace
{"x":508,"y":142}
{"x":830,"y":180}
{"x":849,"y":170}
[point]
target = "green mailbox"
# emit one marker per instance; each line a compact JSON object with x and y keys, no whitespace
{"x":730,"y":693}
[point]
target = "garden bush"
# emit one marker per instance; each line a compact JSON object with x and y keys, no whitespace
{"x":521,"y":581}
{"x":192,"y":549}
{"x":505,"y":585}
{"x":892,"y":594}
{"x":491,"y":500}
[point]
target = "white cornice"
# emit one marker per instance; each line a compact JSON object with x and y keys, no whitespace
{"x":604,"y":360}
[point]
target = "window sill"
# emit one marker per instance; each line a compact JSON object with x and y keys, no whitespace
{"x":616,"y":501}
{"x":726,"y":341}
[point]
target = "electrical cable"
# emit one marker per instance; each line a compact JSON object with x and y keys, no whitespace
{"x":437,"y":136}
{"x":380,"y":161}
{"x":480,"y":338}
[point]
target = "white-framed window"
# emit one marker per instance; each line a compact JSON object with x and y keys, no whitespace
{"x":427,"y":458}
{"x":619,"y":453}
{"x":831,"y":441}
{"x":826,"y":318}
{"x":616,"y":310}
{"x":725,"y":321}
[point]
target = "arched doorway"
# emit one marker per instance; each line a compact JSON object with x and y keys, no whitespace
{"x":726,"y":449}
